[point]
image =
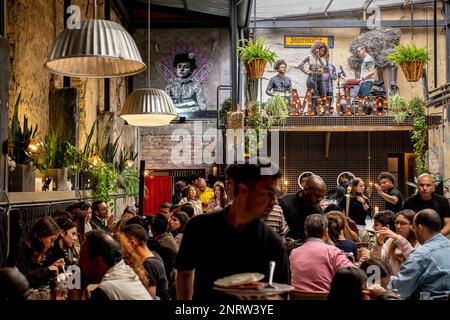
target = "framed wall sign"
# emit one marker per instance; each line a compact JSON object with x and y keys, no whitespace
{"x":293,"y":41}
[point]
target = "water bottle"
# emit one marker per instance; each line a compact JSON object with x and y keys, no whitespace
{"x":61,"y":290}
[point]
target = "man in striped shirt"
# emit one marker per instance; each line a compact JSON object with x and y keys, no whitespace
{"x":275,"y":220}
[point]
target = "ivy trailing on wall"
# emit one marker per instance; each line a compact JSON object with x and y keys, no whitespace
{"x":419,"y":134}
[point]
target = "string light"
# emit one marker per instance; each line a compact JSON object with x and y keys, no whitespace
{"x":129,"y":163}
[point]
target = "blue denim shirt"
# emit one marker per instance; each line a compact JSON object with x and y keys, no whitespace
{"x":427,"y":269}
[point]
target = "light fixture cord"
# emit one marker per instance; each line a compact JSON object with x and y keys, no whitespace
{"x":95,"y":9}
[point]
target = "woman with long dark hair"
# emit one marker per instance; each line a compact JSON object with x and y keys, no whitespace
{"x":357,"y":205}
{"x":64,"y":246}
{"x":220,"y":200}
{"x":177,"y":224}
{"x":30,"y":255}
{"x":394,"y":247}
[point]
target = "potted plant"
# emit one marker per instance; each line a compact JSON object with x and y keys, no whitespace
{"x":276,"y":109}
{"x":128,"y":174}
{"x":398,"y":108}
{"x":255,"y":120}
{"x":56,"y":149}
{"x":20,"y":138}
{"x":255,"y":57}
{"x":410,"y":59}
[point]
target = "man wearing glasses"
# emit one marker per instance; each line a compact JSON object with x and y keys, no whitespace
{"x":427,"y":269}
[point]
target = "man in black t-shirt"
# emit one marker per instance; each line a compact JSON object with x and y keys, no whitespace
{"x":297,"y":206}
{"x":233,"y":240}
{"x":393,"y":198}
{"x":427,"y":199}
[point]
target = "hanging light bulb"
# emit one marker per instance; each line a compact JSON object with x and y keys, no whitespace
{"x":129,"y":163}
{"x":148,"y":107}
{"x":95,"y":160}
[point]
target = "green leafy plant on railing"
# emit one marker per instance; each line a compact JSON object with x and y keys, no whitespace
{"x":407,"y":53}
{"x":256,"y":120}
{"x":225,"y":107}
{"x":20,"y":138}
{"x":276,"y":109}
{"x":56,"y":146}
{"x":128,"y":176}
{"x":251,"y":89}
{"x":103,"y":180}
{"x":251,"y":50}
{"x":398,"y":108}
{"x":419,"y":134}
{"x":128,"y":181}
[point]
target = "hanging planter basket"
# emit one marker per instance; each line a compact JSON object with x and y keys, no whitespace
{"x":255,"y":69}
{"x":412,"y":70}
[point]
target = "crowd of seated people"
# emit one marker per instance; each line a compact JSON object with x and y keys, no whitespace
{"x":179,"y":252}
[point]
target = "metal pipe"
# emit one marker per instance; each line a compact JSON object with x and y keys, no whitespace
{"x":233,"y":53}
{"x":327,"y":7}
{"x":435,"y":41}
{"x":438,"y":101}
{"x":141,"y":187}
{"x":278,"y":23}
{"x":4,"y":73}
{"x":447,"y":40}
{"x":2,"y":17}
{"x":241,"y":82}
{"x":67,"y":3}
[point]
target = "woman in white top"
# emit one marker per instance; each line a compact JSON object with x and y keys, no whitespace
{"x":399,"y":244}
{"x":316,"y":63}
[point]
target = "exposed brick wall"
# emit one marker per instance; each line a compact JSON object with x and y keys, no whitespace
{"x":157,"y":145}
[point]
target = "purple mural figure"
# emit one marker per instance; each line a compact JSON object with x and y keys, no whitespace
{"x":185,"y":68}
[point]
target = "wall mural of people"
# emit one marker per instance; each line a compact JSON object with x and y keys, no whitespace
{"x":185,"y":68}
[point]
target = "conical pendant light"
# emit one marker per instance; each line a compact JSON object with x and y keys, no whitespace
{"x":98,"y":49}
{"x":148,"y":107}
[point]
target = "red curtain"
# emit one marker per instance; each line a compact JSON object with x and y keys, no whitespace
{"x":159,"y":190}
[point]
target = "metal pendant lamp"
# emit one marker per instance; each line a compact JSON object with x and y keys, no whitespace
{"x":148,"y":107}
{"x":98,"y":49}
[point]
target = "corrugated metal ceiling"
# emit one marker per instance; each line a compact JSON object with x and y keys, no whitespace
{"x":267,"y":9}
{"x":214,"y":7}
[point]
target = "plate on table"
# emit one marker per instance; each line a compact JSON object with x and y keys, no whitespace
{"x":279,"y":288}
{"x":239,"y":279}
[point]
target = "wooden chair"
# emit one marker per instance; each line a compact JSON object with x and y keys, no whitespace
{"x":308,"y":295}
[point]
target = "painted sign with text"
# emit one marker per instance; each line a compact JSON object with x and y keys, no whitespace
{"x":291,"y":41}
